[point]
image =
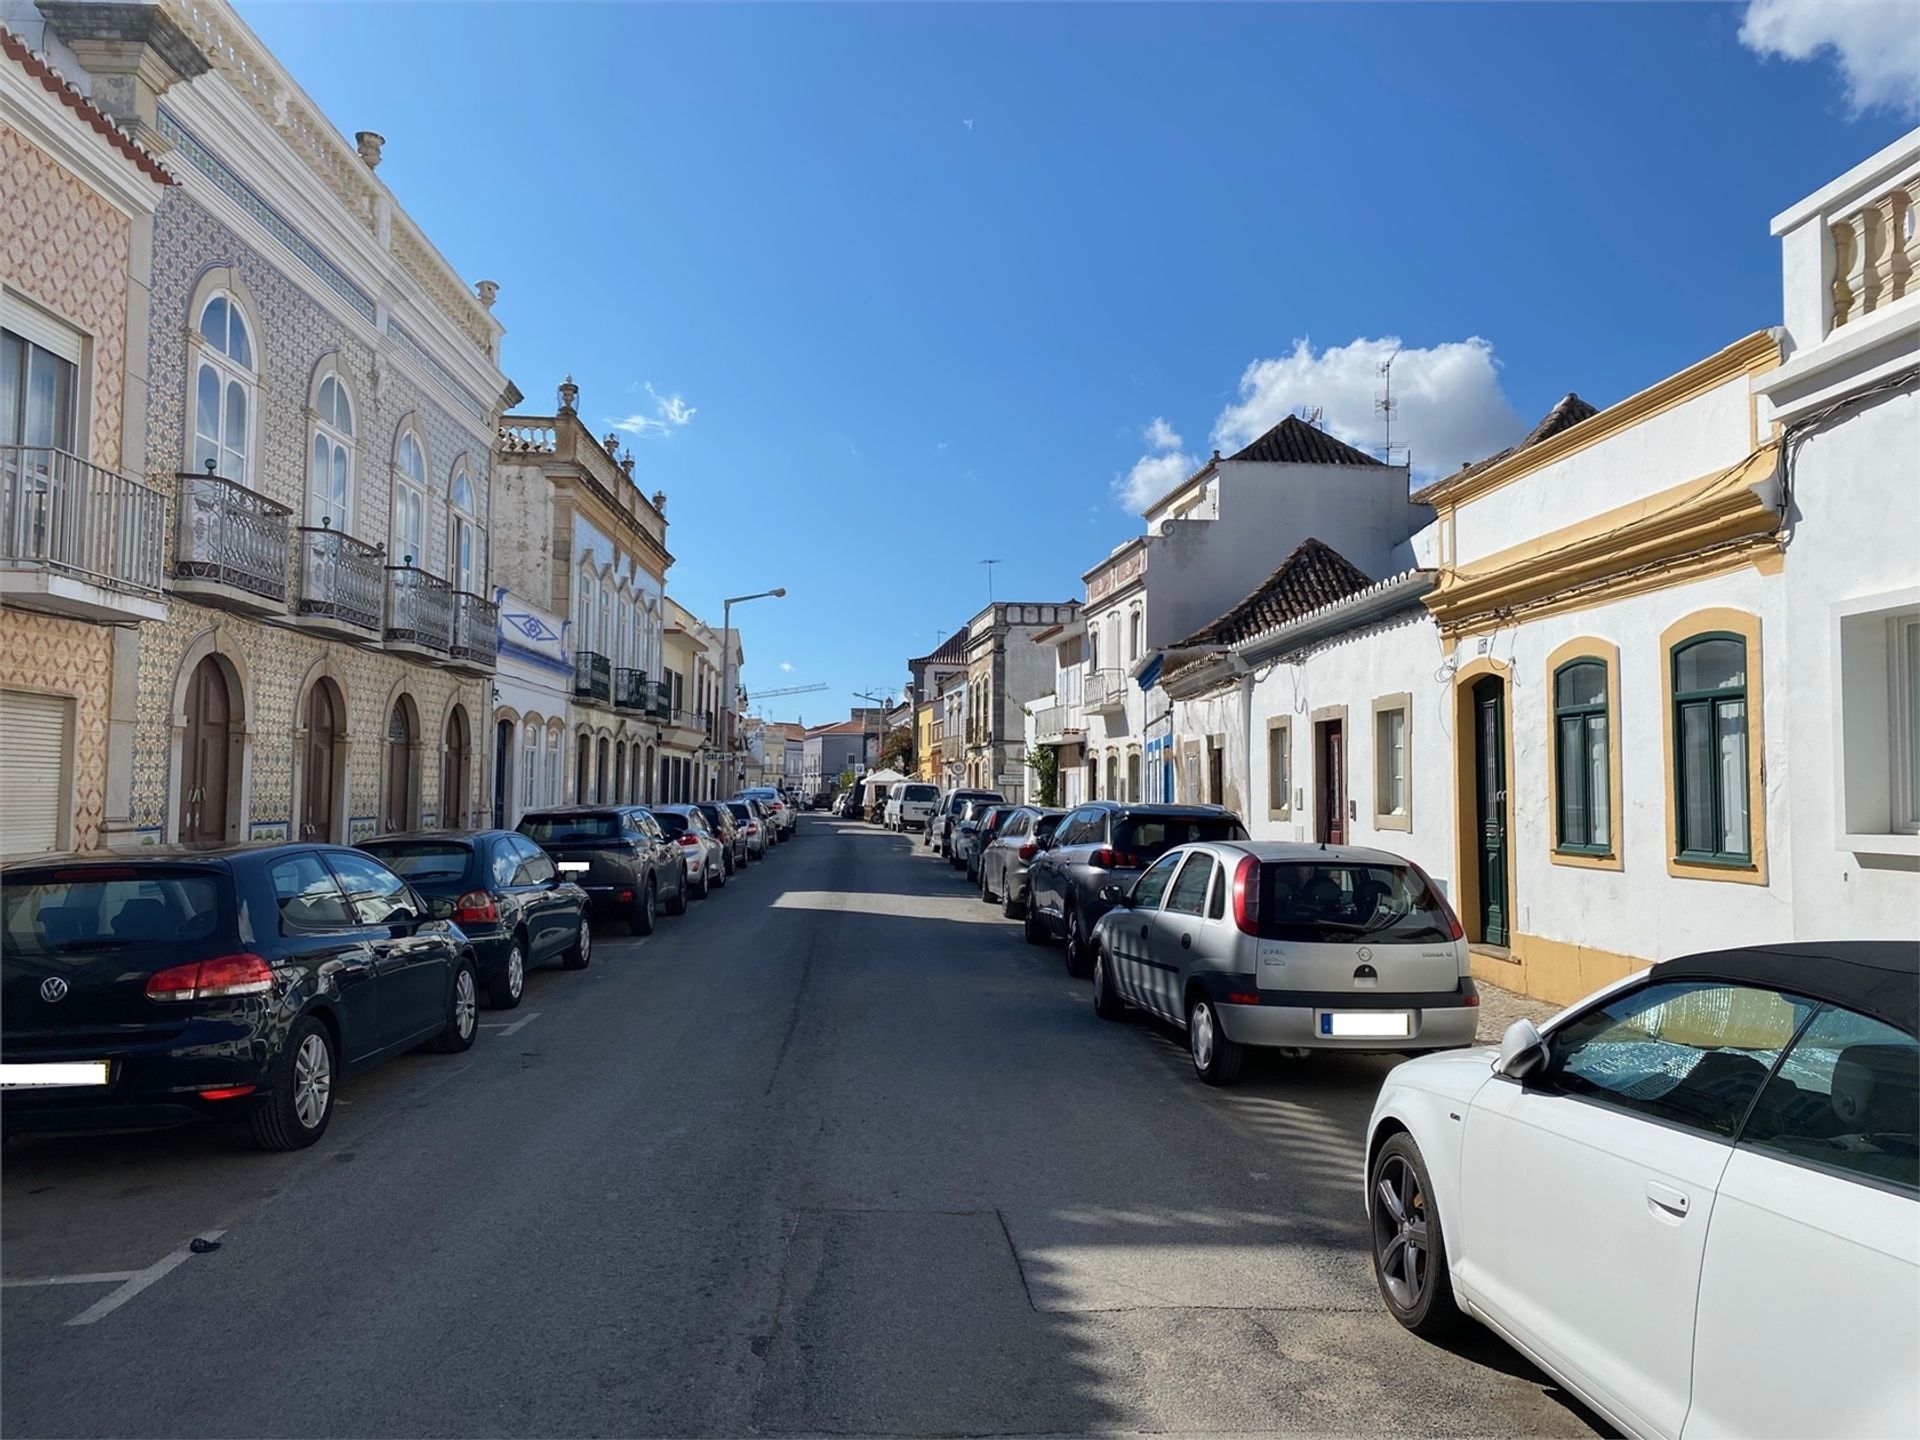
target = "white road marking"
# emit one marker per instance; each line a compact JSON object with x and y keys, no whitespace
{"x":105,"y":1277}
{"x":508,"y":1027}
{"x":139,"y":1281}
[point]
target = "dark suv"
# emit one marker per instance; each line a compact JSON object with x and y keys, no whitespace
{"x":618,"y":854}
{"x":1107,"y":842}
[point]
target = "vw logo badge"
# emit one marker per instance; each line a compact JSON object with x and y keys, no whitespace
{"x":53,"y":988}
{"x":1365,"y":953}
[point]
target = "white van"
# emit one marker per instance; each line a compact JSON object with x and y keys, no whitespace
{"x":910,"y":805}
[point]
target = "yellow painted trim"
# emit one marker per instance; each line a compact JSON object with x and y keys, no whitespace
{"x":1746,"y":625}
{"x":1284,"y":725}
{"x":1466,"y":822}
{"x":1608,"y":653}
{"x":1751,"y":355}
{"x":1556,"y":971}
{"x":1714,"y":519}
{"x":1403,"y":702}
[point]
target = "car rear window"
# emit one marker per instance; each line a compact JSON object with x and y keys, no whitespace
{"x":918,"y":792}
{"x":1335,"y":903}
{"x":55,"y":911}
{"x":1148,"y":837}
{"x":671,"y":823}
{"x":740,"y":810}
{"x":424,"y":859}
{"x":548,"y":829}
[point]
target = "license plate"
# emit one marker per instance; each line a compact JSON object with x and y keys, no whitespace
{"x":573,"y":867}
{"x":1366,"y":1024}
{"x":52,"y":1074}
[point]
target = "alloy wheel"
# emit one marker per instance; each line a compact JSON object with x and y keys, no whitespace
{"x":312,"y":1081}
{"x":466,"y":1003}
{"x":1200,"y":1035}
{"x":516,"y":972}
{"x":585,"y":941}
{"x":1400,"y":1231}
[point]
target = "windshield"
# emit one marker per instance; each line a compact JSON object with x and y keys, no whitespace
{"x":550,"y":829}
{"x":133,"y":908}
{"x":1150,"y":836}
{"x":423,"y":859}
{"x":1339,"y":903}
{"x":918,"y":792}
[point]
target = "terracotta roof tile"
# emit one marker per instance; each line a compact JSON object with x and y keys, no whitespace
{"x":1294,"y":442}
{"x":1564,"y":416}
{"x":63,"y":90}
{"x":1314,"y":575}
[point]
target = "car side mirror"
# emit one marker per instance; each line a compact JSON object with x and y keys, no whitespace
{"x":1114,"y":894}
{"x":1523,"y":1054}
{"x":439,"y":907}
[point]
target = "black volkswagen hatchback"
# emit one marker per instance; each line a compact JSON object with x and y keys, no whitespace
{"x":192,"y":981}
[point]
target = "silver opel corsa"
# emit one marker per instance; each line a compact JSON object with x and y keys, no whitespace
{"x":1286,"y":945}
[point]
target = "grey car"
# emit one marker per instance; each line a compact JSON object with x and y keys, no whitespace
{"x":1003,"y":864}
{"x":703,"y":851}
{"x":1285,"y":945}
{"x":940,"y":829}
{"x":1103,"y":843}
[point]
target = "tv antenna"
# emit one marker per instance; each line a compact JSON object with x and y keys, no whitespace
{"x":1385,"y":405}
{"x":1314,"y":415}
{"x":989,"y":564}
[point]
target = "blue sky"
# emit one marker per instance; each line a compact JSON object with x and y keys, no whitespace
{"x":883,"y":291}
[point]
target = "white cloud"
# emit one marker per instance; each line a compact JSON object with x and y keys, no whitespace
{"x":1156,"y":473}
{"x":786,"y":666}
{"x":671,"y":413}
{"x":1875,"y":43}
{"x":1450,"y":408}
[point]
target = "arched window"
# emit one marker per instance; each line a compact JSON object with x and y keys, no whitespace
{"x":1133,"y":636}
{"x":1710,"y":749}
{"x":464,"y":534}
{"x":533,"y":739}
{"x":225,"y":381}
{"x":603,"y":632}
{"x":409,"y":542}
{"x":1582,"y":768}
{"x":330,"y":474}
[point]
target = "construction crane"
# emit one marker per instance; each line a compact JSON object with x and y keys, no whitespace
{"x":785,"y":690}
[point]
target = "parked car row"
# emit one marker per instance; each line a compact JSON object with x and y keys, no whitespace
{"x":245,"y":981}
{"x":1618,"y":1192}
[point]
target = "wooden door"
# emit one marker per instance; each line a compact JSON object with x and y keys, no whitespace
{"x":322,"y":722}
{"x":1330,"y":781}
{"x":502,"y":772}
{"x":453,"y":771}
{"x":204,"y":762}
{"x":399,"y":767}
{"x":1490,"y":793}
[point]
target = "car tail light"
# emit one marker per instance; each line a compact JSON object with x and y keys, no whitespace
{"x":1246,"y":895}
{"x":689,"y":838}
{"x":753,"y":827}
{"x":1029,"y":850}
{"x":1455,"y":930}
{"x":217,"y":979}
{"x":94,"y":872}
{"x":226,"y":1092}
{"x":474,"y":908}
{"x":1107,"y":858}
{"x":1101,"y":859}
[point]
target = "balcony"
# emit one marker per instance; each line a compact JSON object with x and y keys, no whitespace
{"x":230,"y":546}
{"x":1058,"y":725}
{"x":476,"y":635}
{"x":630,"y":689}
{"x":660,"y":701}
{"x":419,"y":613}
{"x":340,"y":579}
{"x":1106,"y":692}
{"x":592,"y":677}
{"x":78,"y":539}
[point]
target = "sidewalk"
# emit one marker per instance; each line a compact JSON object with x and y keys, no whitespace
{"x":1500,"y":1008}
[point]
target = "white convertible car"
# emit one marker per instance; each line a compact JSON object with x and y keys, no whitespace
{"x":1694,"y":1197}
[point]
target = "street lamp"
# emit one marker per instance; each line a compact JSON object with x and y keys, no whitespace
{"x":726,"y":664}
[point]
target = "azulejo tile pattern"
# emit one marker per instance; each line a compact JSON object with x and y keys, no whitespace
{"x":66,"y":657}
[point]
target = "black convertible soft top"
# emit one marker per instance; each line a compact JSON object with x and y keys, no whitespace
{"x":1880,"y":978}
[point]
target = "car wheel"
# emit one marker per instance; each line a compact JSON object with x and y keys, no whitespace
{"x":706,"y":886}
{"x":1107,"y":1003}
{"x":1216,"y":1059}
{"x":643,"y":915}
{"x":300,"y":1104}
{"x":1409,"y":1257}
{"x":678,"y":905}
{"x":1010,"y":907}
{"x":987,"y":897}
{"x":1079,"y":962}
{"x":463,"y":1012}
{"x":1032,"y":928}
{"x":579,"y":955}
{"x":506,"y":992}
{"x":723,"y":870}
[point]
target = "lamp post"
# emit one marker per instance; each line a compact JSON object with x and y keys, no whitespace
{"x":726,"y":664}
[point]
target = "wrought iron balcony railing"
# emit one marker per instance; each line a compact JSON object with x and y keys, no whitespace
{"x":340,"y":577}
{"x":224,"y":534}
{"x":630,"y":689}
{"x":592,"y":676}
{"x":476,"y":630}
{"x":85,"y":520}
{"x":660,"y":703}
{"x":419,"y":609}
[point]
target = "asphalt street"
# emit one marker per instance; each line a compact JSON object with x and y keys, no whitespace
{"x":837,"y":1153}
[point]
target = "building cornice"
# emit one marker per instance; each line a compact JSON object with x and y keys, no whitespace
{"x":42,"y":104}
{"x":1750,"y":356}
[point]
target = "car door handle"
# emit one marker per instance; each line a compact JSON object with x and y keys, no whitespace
{"x":1666,"y":1201}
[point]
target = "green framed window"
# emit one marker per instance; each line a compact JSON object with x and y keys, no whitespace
{"x":1710,"y":740}
{"x":1584,"y":768}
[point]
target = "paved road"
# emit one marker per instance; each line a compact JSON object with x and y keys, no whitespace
{"x":837,"y":1153}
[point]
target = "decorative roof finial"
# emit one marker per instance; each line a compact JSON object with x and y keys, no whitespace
{"x":368,"y":143}
{"x":660,"y":501}
{"x":569,"y":393}
{"x":611,"y":444}
{"x":626,"y":462}
{"x":488,"y":291}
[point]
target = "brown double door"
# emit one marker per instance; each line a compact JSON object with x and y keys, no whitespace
{"x":1330,"y":781}
{"x":205,"y":755}
{"x":322,"y":720}
{"x":453,"y":771}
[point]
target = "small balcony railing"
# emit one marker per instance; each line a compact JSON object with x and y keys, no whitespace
{"x":660,"y":702}
{"x":592,"y":676}
{"x":476,"y":631}
{"x":1105,"y":690}
{"x":82,"y":519}
{"x":1057,"y":723}
{"x":226,"y":535}
{"x":419,"y":609}
{"x":630,"y":689}
{"x":340,"y":577}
